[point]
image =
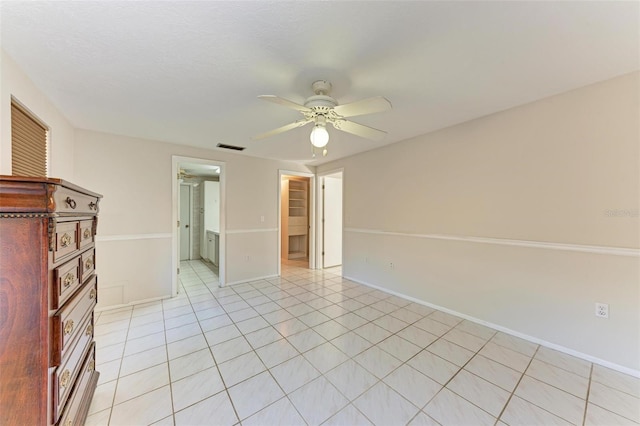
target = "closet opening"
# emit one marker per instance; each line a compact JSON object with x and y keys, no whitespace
{"x":296,"y":220}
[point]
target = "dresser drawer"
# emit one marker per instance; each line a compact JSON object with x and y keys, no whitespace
{"x":65,"y":376}
{"x":70,"y":201}
{"x":86,"y":233}
{"x":66,"y":280}
{"x":66,"y":323}
{"x":65,"y":240}
{"x":87,"y":264}
{"x":82,"y":392}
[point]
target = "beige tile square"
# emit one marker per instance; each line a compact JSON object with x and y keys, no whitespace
{"x":480,"y":392}
{"x":451,"y":352}
{"x":240,"y":368}
{"x":141,"y":382}
{"x":448,"y":408}
{"x":216,"y":407}
{"x":522,"y":413}
{"x":552,"y":399}
{"x":294,"y":373}
{"x":618,"y":402}
{"x":190,"y":364}
{"x":254,"y":394}
{"x":276,"y":353}
{"x":195,"y":388}
{"x":616,"y":380}
{"x":597,"y":416}
{"x":566,"y":362}
{"x":384,"y":406}
{"x":505,"y":356}
{"x":351,"y":343}
{"x":318,"y":400}
{"x":562,"y":379}
{"x":325,"y":357}
{"x":281,"y":412}
{"x":377,"y":362}
{"x":144,"y":409}
{"x":413,"y":385}
{"x":494,"y":372}
{"x":351,"y":379}
{"x":399,"y":347}
{"x":348,"y":416}
{"x":464,"y":339}
{"x":433,"y":366}
{"x":142,"y":360}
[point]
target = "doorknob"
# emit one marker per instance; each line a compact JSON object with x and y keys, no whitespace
{"x":186,"y":226}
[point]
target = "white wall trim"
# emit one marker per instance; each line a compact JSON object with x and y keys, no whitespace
{"x":129,"y":237}
{"x":132,"y":304}
{"x":614,"y":251}
{"x":249,"y":231}
{"x":265,"y":277}
{"x":595,"y":360}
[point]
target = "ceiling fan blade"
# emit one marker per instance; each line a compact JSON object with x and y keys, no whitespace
{"x":365,"y":106}
{"x":359,"y":130}
{"x":284,"y":102}
{"x":282,"y":129}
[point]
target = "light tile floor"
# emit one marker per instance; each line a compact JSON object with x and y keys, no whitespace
{"x":313,"y":348}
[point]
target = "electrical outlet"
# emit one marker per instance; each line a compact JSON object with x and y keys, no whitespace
{"x":261,"y":218}
{"x":391,"y":265}
{"x":602,"y":310}
{"x":247,"y":257}
{"x":366,"y":260}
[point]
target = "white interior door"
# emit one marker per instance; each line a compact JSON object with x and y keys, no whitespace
{"x":185,"y":221}
{"x":332,"y":220}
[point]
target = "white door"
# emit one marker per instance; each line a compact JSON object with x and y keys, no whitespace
{"x":185,"y":221}
{"x":332,"y":220}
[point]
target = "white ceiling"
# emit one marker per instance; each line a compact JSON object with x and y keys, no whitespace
{"x":189,"y":72}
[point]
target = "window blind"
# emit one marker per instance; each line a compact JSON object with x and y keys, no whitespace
{"x":28,"y":144}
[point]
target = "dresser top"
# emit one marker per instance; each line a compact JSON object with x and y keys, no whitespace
{"x":20,"y":194}
{"x":49,"y":181}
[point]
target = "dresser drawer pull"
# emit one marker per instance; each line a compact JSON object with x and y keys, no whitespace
{"x":68,"y":279}
{"x":92,"y":205}
{"x":65,"y":240}
{"x":87,"y":233}
{"x":91,"y":366}
{"x":88,"y":263}
{"x":92,"y":293}
{"x":64,"y":379}
{"x":71,"y":202}
{"x":89,"y":330}
{"x":68,"y":327}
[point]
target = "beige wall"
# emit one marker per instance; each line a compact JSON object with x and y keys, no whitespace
{"x":14,"y":82}
{"x":561,"y":170}
{"x":135,"y":225}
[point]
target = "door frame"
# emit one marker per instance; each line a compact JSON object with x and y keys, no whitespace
{"x":319,"y":213}
{"x":312,"y":216}
{"x":176,"y":160}
{"x":190,"y":187}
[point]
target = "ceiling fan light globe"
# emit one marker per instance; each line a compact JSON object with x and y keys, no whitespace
{"x":319,"y":136}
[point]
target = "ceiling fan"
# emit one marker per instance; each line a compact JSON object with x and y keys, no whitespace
{"x":321,"y":109}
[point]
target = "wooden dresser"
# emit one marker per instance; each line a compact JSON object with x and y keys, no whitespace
{"x":48,"y":290}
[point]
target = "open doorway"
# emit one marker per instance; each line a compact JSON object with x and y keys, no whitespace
{"x":198,"y":211}
{"x":296,"y":238}
{"x":330,"y":214}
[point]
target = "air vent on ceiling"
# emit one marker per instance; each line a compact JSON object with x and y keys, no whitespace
{"x":233,"y":147}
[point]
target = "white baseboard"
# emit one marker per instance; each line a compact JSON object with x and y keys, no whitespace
{"x":131,"y":304}
{"x":559,"y":348}
{"x":251,"y":280}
